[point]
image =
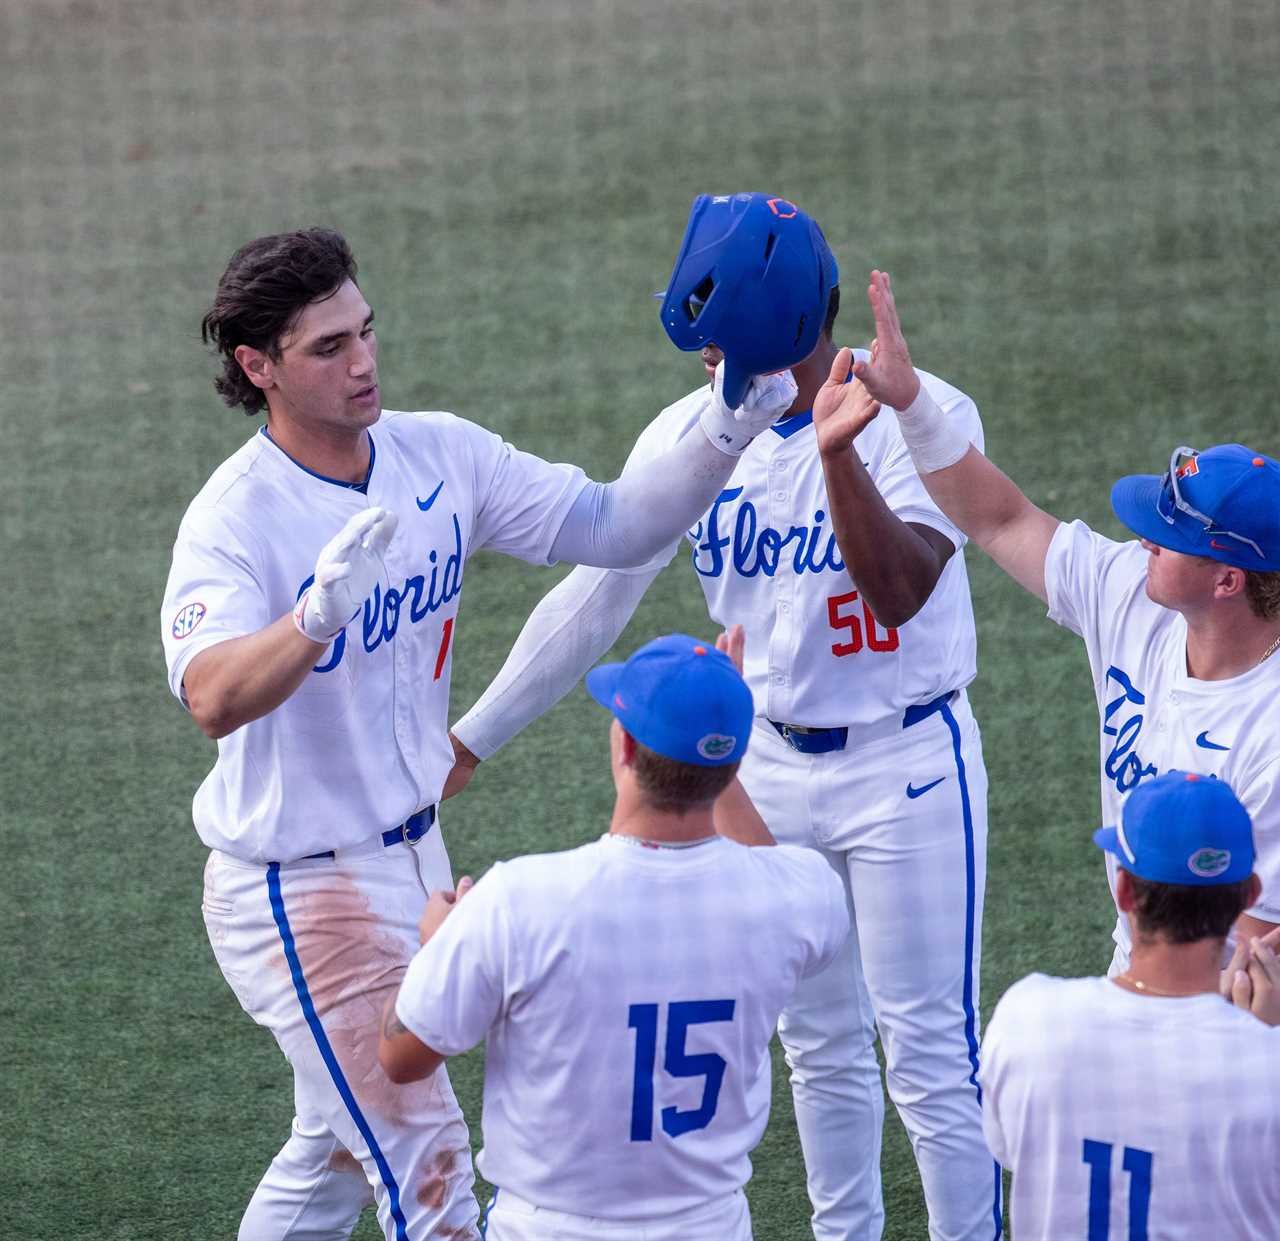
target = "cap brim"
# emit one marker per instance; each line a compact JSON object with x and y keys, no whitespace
{"x":602,"y":684}
{"x":1133,"y":500}
{"x":1108,"y":839}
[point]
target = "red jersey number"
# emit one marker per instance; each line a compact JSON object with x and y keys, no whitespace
{"x":862,"y":627}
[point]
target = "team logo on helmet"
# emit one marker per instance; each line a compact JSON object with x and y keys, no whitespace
{"x":783,"y":209}
{"x":716,"y":746}
{"x":1209,"y":863}
{"x":1188,"y":468}
{"x":187,"y":619}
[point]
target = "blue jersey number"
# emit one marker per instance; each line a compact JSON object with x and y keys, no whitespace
{"x":643,"y":1019}
{"x":1138,"y":1165}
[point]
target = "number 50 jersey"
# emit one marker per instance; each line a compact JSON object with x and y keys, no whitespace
{"x":766,"y":556}
{"x":628,"y":995}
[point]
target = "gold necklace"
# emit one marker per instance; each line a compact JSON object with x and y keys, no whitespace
{"x":1148,"y":989}
{"x":1271,"y":650}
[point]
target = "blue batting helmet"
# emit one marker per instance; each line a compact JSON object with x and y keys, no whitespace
{"x":753,"y":277}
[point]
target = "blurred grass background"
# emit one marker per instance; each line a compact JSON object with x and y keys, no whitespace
{"x":1078,"y":203}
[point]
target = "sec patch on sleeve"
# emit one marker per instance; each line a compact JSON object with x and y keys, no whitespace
{"x":187,"y":619}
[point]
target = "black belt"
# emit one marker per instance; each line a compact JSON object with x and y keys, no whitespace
{"x":824,"y":740}
{"x":412,"y":830}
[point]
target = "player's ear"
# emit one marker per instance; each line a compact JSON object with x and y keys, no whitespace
{"x":1253,"y":891}
{"x":255,"y":364}
{"x":1124,"y":891}
{"x":1228,"y":582}
{"x":625,"y":746}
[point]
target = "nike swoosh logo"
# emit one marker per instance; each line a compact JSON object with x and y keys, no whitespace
{"x":431,"y":499}
{"x":1222,"y":547}
{"x":1205,"y":744}
{"x":914,"y":792}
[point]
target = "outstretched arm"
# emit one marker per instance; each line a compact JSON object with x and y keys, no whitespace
{"x":569,"y":630}
{"x":983,"y":501}
{"x":624,"y":523}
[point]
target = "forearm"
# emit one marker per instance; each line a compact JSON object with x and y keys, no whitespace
{"x":245,"y":678}
{"x":975,"y":494}
{"x":988,"y":506}
{"x":403,"y":1055}
{"x":627,"y":522}
{"x":894,"y":567}
{"x":569,"y":630}
{"x":737,"y":818}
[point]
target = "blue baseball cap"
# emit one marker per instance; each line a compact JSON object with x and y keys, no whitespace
{"x":1223,"y":503}
{"x":680,"y":697}
{"x":753,"y":276}
{"x":1182,"y":828}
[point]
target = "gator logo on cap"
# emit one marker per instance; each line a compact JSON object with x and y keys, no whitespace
{"x":716,"y":746}
{"x":1209,"y":863}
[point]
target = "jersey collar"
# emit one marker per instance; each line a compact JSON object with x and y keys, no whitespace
{"x":362,"y":487}
{"x":788,"y":426}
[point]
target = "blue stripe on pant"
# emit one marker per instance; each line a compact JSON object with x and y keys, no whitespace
{"x":970,"y":1016}
{"x":326,"y":1050}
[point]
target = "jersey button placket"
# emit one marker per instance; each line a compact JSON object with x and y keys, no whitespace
{"x":781,"y":699}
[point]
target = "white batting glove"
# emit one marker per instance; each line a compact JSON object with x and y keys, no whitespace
{"x":346,"y":570}
{"x":767,"y":399}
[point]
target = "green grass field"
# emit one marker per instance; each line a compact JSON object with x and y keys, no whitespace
{"x":1080,"y":207}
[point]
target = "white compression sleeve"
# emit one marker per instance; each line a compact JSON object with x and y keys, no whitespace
{"x":567,"y":632}
{"x":622,"y":524}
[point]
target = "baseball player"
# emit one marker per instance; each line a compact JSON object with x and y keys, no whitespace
{"x":1182,"y":627}
{"x":852,"y":590}
{"x":308,"y":625}
{"x":627,"y":990}
{"x":1141,"y":1105}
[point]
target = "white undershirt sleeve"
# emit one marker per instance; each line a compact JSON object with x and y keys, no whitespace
{"x":622,"y":524}
{"x":567,"y":632}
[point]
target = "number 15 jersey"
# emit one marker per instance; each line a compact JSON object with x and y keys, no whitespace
{"x":628,"y":995}
{"x":766,"y":557}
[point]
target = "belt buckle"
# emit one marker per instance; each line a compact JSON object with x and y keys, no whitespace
{"x":416,"y":826}
{"x":789,"y":735}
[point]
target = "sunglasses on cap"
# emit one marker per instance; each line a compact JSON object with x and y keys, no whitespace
{"x":1170,"y":502}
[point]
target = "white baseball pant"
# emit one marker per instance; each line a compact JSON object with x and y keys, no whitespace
{"x":902,"y":818}
{"x":312,"y":950}
{"x":511,"y":1218}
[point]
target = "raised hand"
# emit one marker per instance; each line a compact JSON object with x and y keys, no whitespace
{"x":841,"y":410}
{"x":888,"y":376}
{"x":346,"y":570}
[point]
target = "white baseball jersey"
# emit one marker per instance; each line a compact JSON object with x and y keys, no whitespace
{"x":1153,"y":716}
{"x":1128,"y":1116}
{"x":766,"y":556}
{"x":628,"y":995}
{"x":363,"y":742}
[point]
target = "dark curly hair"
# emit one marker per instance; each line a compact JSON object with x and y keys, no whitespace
{"x":265,"y":288}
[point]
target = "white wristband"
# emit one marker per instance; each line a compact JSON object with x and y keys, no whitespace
{"x":301,"y":620}
{"x":933,"y":440}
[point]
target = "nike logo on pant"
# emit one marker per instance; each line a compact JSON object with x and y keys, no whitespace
{"x":914,"y":792}
{"x":431,"y":499}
